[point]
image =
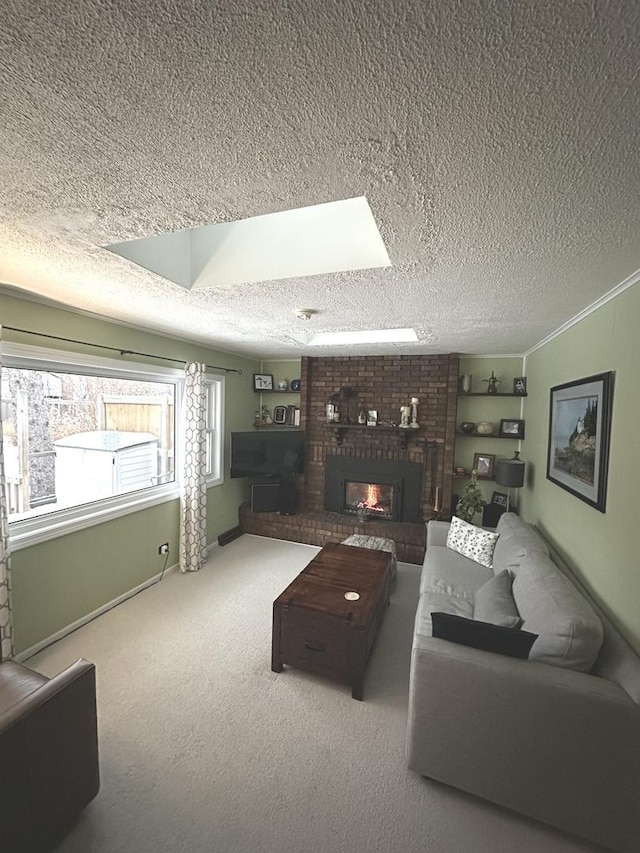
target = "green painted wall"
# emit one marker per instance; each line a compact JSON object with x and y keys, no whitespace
{"x":601,"y":548}
{"x":487,"y":408}
{"x":62,"y":580}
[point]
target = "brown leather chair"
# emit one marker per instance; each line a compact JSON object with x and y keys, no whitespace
{"x":48,"y":753}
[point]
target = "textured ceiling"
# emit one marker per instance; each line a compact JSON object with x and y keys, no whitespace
{"x":496,"y":142}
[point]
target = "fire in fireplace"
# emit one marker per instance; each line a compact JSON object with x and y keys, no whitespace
{"x":377,"y":498}
{"x":390,"y":489}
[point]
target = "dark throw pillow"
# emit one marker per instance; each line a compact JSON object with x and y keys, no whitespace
{"x":483,"y":635}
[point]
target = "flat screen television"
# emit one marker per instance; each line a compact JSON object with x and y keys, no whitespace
{"x":267,"y":454}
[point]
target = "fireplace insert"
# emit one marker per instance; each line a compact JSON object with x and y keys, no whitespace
{"x":388,"y":489}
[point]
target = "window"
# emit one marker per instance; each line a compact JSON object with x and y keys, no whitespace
{"x":215,"y":429}
{"x":87,"y":439}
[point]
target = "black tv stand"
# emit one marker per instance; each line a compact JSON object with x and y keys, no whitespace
{"x":274,"y":494}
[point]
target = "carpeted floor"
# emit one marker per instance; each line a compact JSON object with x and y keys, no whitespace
{"x":204,"y":749}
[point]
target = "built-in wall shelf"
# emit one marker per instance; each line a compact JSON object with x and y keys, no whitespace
{"x":283,"y":427}
{"x":468,"y":477}
{"x":275,"y":391}
{"x":481,"y":435}
{"x":484,"y":394}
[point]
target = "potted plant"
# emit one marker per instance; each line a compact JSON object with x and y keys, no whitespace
{"x":471,"y":503}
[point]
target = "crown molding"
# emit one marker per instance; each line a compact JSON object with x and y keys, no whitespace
{"x":634,"y":278}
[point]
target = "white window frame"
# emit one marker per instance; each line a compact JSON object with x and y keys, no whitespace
{"x":215,"y":429}
{"x":31,"y":531}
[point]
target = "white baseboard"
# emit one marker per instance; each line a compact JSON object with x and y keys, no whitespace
{"x":69,"y":629}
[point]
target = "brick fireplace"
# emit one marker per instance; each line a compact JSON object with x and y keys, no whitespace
{"x":417,"y":463}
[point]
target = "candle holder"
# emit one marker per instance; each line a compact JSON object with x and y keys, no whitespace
{"x":414,"y":413}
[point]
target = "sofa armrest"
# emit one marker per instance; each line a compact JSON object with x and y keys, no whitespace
{"x":558,"y":745}
{"x":437,"y":532}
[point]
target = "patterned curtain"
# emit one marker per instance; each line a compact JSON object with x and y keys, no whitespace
{"x":193,"y":496}
{"x":6,"y":623}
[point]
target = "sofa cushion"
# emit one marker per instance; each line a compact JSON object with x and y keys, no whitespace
{"x":472,"y":541}
{"x":431,"y":602}
{"x":447,"y":571}
{"x":569,"y":631}
{"x":482,"y":635}
{"x":516,"y":539}
{"x":494,"y":603}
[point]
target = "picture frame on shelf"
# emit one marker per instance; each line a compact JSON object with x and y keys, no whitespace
{"x":579,"y":434}
{"x":483,"y":464}
{"x":372,"y":417}
{"x":279,"y":414}
{"x":499,"y":499}
{"x":520,"y":386}
{"x":263,"y":382}
{"x":511,"y":428}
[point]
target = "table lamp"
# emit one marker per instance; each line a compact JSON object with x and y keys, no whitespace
{"x":510,"y":473}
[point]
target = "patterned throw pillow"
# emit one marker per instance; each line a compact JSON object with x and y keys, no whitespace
{"x":472,"y":541}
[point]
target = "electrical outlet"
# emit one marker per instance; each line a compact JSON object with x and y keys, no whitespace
{"x":164,"y":549}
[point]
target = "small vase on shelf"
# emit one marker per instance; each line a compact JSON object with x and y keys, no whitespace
{"x":465,"y":383}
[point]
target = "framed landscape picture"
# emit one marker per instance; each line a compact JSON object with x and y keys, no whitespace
{"x":579,"y":431}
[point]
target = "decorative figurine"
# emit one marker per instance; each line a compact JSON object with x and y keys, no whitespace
{"x":492,"y":384}
{"x":405,"y":414}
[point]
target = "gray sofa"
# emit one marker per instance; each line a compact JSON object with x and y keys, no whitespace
{"x":555,"y":737}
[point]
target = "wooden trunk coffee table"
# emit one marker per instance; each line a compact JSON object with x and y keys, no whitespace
{"x":316,"y":628}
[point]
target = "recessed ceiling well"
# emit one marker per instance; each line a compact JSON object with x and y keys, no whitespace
{"x":323,"y":238}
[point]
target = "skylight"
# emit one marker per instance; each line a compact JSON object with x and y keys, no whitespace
{"x":324,"y":238}
{"x":368,"y":336}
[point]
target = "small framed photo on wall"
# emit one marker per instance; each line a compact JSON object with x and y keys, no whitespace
{"x":511,"y":428}
{"x":483,"y":465}
{"x":280,"y":414}
{"x":262,"y":382}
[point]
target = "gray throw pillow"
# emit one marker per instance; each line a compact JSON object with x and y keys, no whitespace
{"x":494,"y":603}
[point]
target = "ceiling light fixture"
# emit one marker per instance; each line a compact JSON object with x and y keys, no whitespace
{"x":304,"y":313}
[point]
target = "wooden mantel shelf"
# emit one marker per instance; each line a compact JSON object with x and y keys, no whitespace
{"x":404,"y":433}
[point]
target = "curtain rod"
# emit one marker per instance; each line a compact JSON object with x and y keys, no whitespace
{"x":116,"y":349}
